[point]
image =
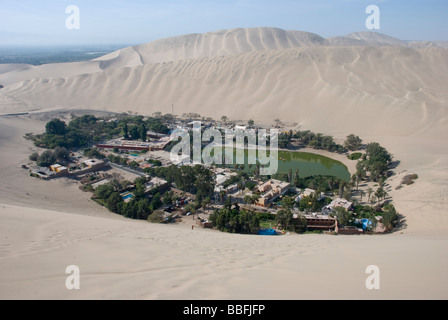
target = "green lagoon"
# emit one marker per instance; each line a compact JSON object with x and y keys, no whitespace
{"x":308,"y":164}
{"x":311,"y":164}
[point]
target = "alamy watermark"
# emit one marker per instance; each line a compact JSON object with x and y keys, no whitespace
{"x":373,"y":280}
{"x":228,"y":147}
{"x":73,"y":281}
{"x":73,"y":21}
{"x":373,"y":21}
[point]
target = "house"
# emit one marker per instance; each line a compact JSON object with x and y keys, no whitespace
{"x":94,"y":163}
{"x":308,"y":192}
{"x":317,"y":222}
{"x":338,"y":202}
{"x":241,"y":128}
{"x":271,"y":190}
{"x":60,"y":170}
{"x":220,"y":179}
{"x":43,"y":173}
{"x":349,"y":231}
{"x":125,"y":145}
{"x":156,"y":183}
{"x":155,"y":135}
{"x":222,"y":175}
{"x":275,"y":185}
{"x":232,"y":188}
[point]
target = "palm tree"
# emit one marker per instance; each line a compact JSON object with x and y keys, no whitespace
{"x":240,"y":187}
{"x":222,"y":195}
{"x":362,"y":194}
{"x":331,"y":183}
{"x":342,"y":186}
{"x":205,"y":203}
{"x":370,"y":191}
{"x":381,"y":194}
{"x":255,"y":198}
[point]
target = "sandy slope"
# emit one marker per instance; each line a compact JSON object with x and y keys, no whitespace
{"x":132,"y":260}
{"x":399,"y":88}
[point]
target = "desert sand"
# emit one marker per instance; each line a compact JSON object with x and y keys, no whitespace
{"x":383,"y":90}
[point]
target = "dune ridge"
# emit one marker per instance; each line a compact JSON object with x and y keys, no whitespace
{"x":355,"y":84}
{"x":196,"y":46}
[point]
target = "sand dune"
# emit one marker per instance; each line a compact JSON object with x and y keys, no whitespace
{"x":136,"y":260}
{"x":195,"y":46}
{"x":399,"y":88}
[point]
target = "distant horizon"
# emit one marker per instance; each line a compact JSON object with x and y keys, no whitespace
{"x":124,"y":45}
{"x":138,"y":21}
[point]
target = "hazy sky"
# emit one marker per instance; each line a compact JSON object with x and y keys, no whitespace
{"x":31,"y":22}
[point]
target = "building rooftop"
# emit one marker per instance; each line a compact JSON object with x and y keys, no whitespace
{"x":155,"y":183}
{"x":92,"y":162}
{"x":339,"y":202}
{"x":274,"y":184}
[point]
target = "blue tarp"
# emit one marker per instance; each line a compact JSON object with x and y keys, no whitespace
{"x":366,"y":223}
{"x":268,"y":232}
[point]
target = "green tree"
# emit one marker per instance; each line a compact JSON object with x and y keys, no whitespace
{"x":205,"y":203}
{"x":135,"y":133}
{"x":255,"y":198}
{"x":390,"y":217}
{"x":353,"y":142}
{"x":139,"y":192}
{"x":143,"y":131}
{"x":156,"y":217}
{"x":156,"y":202}
{"x":288,"y":202}
{"x":134,"y":165}
{"x":56,"y":127}
{"x":299,"y":224}
{"x":46,"y":159}
{"x":125,"y":131}
{"x":104,"y":191}
{"x":113,"y":201}
{"x":248,"y":199}
{"x":285,"y":218}
{"x":343,"y":216}
{"x":190,"y":208}
{"x":222,"y":195}
{"x":34,"y":156}
{"x":224,"y":119}
{"x":369,"y":192}
{"x":61,"y":154}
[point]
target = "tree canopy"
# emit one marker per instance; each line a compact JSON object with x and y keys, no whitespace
{"x":56,"y":127}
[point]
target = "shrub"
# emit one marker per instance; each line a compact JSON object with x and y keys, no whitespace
{"x":61,"y":154}
{"x":34,"y":156}
{"x":156,"y":217}
{"x":409,"y":179}
{"x":56,"y":127}
{"x":355,"y":156}
{"x":390,"y":217}
{"x":353,"y":142}
{"x":46,"y":159}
